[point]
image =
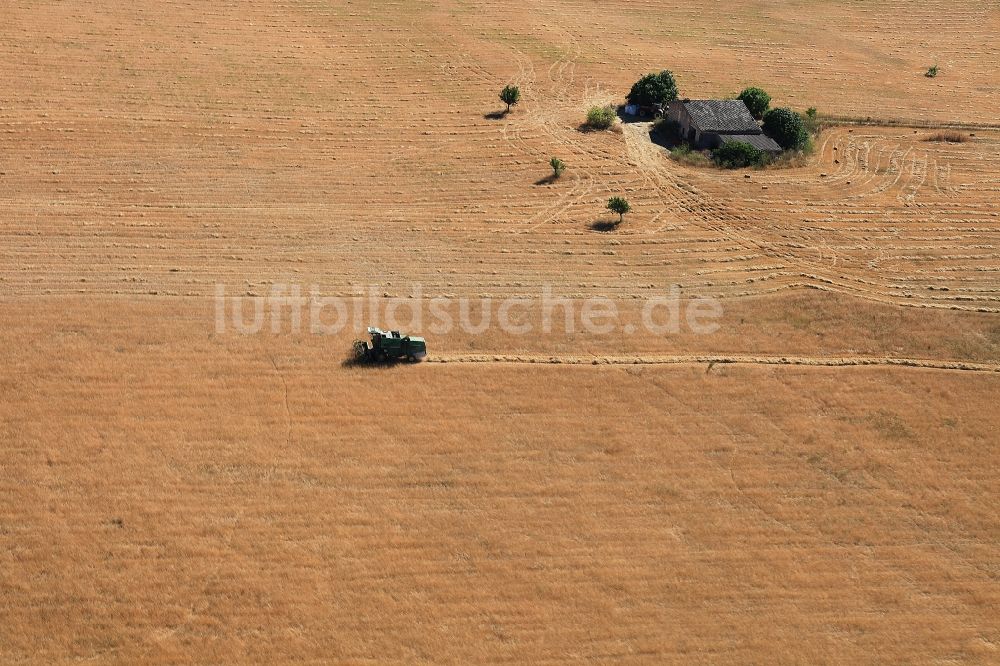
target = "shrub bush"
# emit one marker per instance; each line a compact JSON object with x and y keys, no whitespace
{"x":786,"y":128}
{"x":949,"y":136}
{"x":601,"y":117}
{"x":756,"y":100}
{"x":931,"y":72}
{"x":685,"y":155}
{"x":558,"y":166}
{"x":738,"y":155}
{"x":653,"y":89}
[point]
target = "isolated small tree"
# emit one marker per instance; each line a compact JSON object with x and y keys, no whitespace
{"x":653,"y":90}
{"x":620,"y":206}
{"x":786,"y":128}
{"x":756,"y":100}
{"x":510,"y":95}
{"x":558,"y":166}
{"x":931,"y":72}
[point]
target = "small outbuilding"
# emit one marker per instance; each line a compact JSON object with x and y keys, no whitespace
{"x":709,"y":123}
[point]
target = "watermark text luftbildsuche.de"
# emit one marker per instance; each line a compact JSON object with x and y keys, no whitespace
{"x":294,"y":308}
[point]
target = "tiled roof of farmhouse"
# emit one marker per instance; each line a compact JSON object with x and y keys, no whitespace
{"x":758,"y":141}
{"x":729,"y":116}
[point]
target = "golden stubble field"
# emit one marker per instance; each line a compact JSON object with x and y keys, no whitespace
{"x":814,"y":482}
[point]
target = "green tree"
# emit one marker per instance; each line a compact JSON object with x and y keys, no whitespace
{"x":558,"y":166}
{"x":653,"y":89}
{"x":738,"y":155}
{"x":620,"y":206}
{"x":786,"y":128}
{"x":811,"y":121}
{"x":600,"y":117}
{"x":510,"y":96}
{"x":756,"y":100}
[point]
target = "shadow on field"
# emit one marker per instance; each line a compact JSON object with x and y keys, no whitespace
{"x":351,"y":362}
{"x":496,"y":115}
{"x":548,"y":180}
{"x":604,"y":226}
{"x":355,"y":362}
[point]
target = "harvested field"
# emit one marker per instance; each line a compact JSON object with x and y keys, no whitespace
{"x":812,"y":481}
{"x":235,"y":499}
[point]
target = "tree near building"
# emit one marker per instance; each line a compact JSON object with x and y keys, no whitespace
{"x":757,"y":100}
{"x":738,"y":155}
{"x":653,"y":90}
{"x":786,"y":128}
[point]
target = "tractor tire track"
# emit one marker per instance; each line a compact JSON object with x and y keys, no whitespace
{"x":716,"y":359}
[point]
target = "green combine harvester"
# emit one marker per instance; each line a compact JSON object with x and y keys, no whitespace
{"x":389,"y":347}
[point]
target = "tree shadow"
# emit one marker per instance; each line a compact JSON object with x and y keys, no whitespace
{"x":496,"y":115}
{"x":548,"y":180}
{"x":604,"y":226}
